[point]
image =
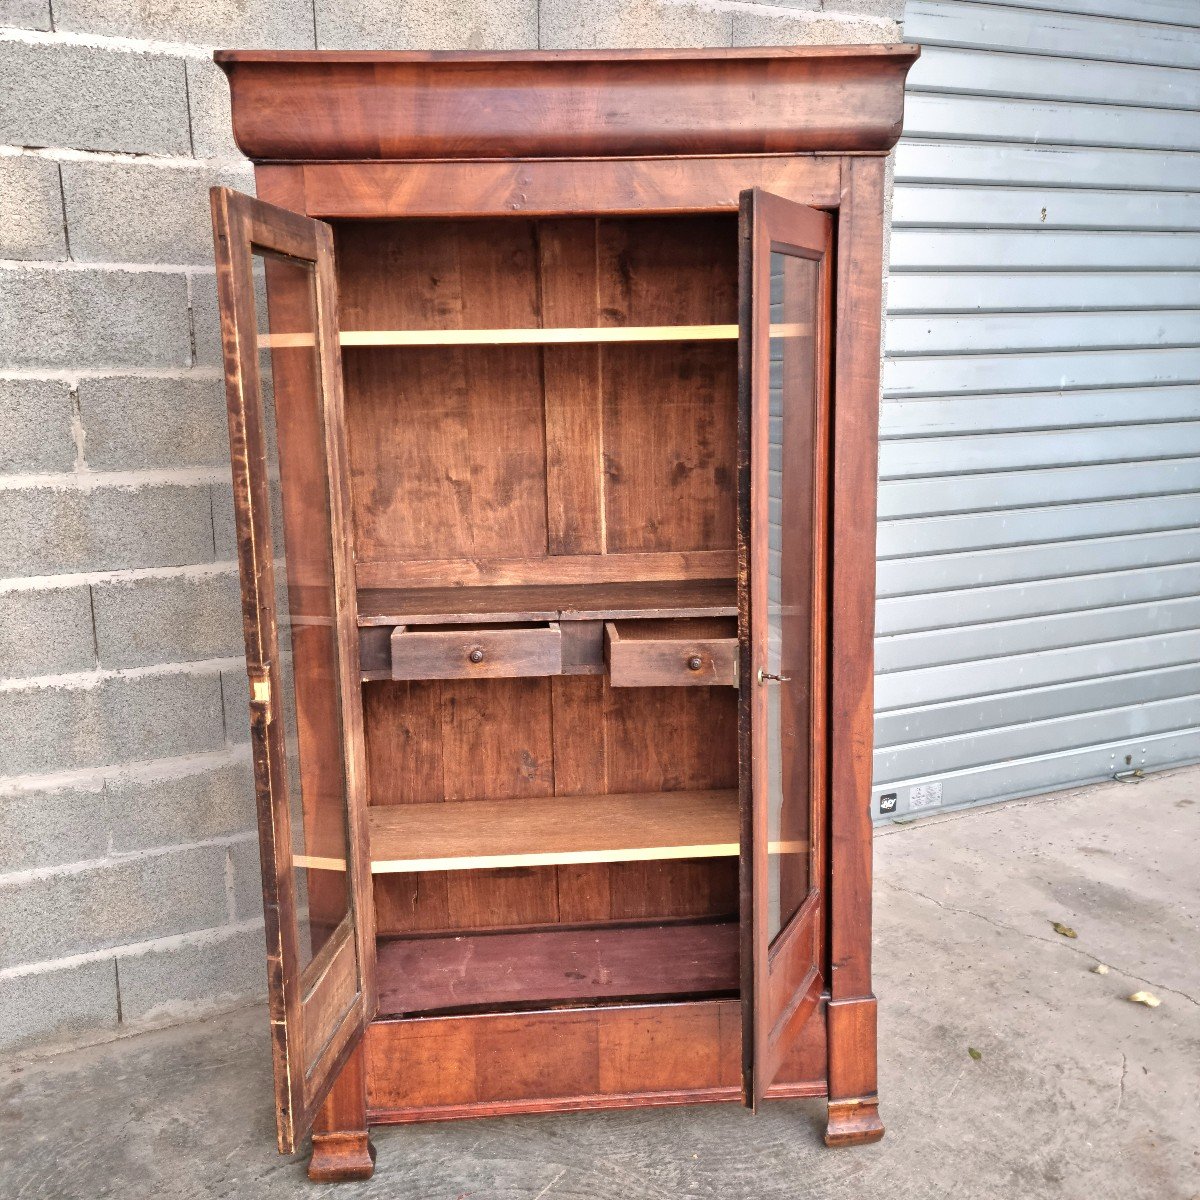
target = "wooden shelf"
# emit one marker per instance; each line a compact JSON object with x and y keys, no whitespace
{"x":526,"y":337}
{"x":556,"y":966}
{"x":531,"y":832}
{"x":510,"y":337}
{"x":546,"y":602}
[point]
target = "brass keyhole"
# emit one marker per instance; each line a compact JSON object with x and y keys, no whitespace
{"x":476,"y":655}
{"x":767,"y":677}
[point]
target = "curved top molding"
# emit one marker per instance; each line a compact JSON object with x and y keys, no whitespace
{"x":311,"y":105}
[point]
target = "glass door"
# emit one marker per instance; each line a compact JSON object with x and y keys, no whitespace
{"x":786,"y":279}
{"x":287,"y":436}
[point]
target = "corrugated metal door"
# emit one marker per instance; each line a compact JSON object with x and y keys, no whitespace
{"x":1039,"y":541}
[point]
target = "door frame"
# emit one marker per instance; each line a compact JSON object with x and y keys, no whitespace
{"x":782,"y":976}
{"x":303,"y":1075}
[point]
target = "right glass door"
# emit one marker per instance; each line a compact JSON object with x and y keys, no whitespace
{"x":786,"y":280}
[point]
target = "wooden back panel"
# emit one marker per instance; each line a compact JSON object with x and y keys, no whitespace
{"x":519,"y":453}
{"x":579,"y":459}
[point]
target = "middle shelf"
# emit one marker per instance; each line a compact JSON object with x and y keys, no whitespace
{"x":544,"y":831}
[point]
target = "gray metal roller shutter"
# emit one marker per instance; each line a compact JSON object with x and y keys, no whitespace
{"x":1038,"y":621}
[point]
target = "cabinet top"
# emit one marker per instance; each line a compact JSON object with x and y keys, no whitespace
{"x":304,"y":105}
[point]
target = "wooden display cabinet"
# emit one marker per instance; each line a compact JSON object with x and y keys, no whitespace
{"x":553,"y":384}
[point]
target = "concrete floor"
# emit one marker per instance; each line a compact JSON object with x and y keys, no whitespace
{"x":1078,"y":1092}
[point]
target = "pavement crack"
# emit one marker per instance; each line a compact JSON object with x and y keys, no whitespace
{"x":1121,"y":1082}
{"x":1061,"y":943}
{"x":552,"y":1182}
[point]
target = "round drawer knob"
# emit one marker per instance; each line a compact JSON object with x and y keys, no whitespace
{"x":476,"y":655}
{"x":695,"y":662}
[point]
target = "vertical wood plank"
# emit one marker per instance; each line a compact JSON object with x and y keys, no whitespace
{"x":447,"y":445}
{"x":669,"y":409}
{"x":571,"y":377}
{"x":580,"y":769}
{"x":404,"y":766}
{"x":671,"y":739}
{"x":496,"y":745}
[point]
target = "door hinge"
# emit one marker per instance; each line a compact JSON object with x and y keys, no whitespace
{"x":260,"y":695}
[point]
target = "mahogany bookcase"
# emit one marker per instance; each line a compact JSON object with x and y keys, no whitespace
{"x":553,"y":382}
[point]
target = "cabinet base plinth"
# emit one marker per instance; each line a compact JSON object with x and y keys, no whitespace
{"x":853,"y":1122}
{"x":339,"y":1157}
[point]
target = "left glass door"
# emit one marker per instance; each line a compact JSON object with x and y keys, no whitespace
{"x":283,"y":380}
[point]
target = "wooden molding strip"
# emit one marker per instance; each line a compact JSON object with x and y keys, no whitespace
{"x":551,"y":569}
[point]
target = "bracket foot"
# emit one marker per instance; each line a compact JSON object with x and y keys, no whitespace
{"x":853,"y":1122}
{"x":338,"y":1157}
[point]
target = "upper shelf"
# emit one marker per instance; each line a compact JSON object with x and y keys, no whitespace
{"x":527,"y":337}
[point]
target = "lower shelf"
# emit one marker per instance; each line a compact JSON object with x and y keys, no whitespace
{"x":549,"y":830}
{"x":557,"y":966}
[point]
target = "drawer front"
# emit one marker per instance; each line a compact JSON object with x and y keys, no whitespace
{"x":475,"y":653}
{"x":670,"y":662}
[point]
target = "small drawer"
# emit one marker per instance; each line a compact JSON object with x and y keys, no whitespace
{"x":483,"y":652}
{"x":671,"y":653}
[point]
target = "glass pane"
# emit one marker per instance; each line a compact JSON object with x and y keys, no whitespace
{"x":307,"y":705}
{"x":794,"y":303}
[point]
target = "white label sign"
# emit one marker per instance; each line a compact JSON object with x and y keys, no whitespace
{"x":924,"y":795}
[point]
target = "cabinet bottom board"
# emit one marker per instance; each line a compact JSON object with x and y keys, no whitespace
{"x":557,"y":966}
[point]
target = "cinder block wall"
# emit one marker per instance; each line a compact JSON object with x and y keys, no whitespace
{"x":129,"y":885}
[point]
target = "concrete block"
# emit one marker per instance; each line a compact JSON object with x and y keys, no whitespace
{"x":828,"y":29}
{"x":87,"y":98}
{"x":235,"y":700}
{"x":25,"y":14}
{"x":62,"y":1006}
{"x":45,"y":631}
{"x":114,"y":903}
{"x":44,"y":530}
{"x":578,"y":24}
{"x":31,"y":212}
{"x":247,"y":879}
{"x":210,"y":973}
{"x":142,"y":813}
{"x":35,"y":426}
{"x":141,"y":213}
{"x":208,"y":108}
{"x":50,"y":827}
{"x":835,"y":9}
{"x":176,"y":619}
{"x":891,"y":10}
{"x":206,"y":321}
{"x":430,"y":25}
{"x":133,"y":423}
{"x":273,"y":24}
{"x":115,"y":720}
{"x":93,"y":318}
{"x":224,"y":530}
